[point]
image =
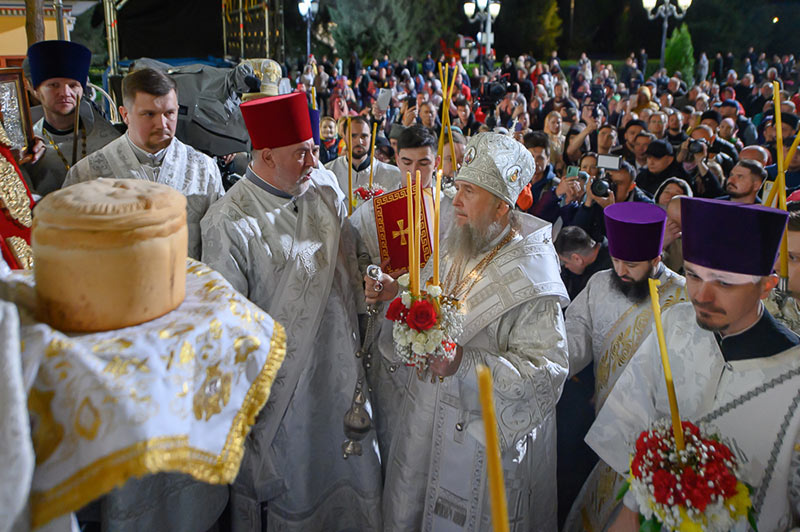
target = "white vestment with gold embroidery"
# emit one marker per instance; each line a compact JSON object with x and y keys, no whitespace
{"x":753,"y":405}
{"x":606,"y":328}
{"x":436,"y":473}
{"x":386,"y":377}
{"x":301,"y":266}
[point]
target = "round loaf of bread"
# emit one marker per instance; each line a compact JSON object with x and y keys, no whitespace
{"x":109,"y":253}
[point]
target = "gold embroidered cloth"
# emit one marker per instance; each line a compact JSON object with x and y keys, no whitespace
{"x":178,"y":393}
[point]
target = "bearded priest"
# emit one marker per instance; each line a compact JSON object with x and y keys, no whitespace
{"x":502,"y":267}
{"x":736,"y":370}
{"x":281,"y":236}
{"x":606,"y":323}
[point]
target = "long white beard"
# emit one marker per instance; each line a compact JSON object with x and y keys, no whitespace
{"x":465,"y":242}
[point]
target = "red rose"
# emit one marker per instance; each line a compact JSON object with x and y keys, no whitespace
{"x":364,"y":193}
{"x":396,"y":311}
{"x":421,"y":315}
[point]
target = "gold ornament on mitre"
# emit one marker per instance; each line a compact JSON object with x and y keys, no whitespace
{"x":269,"y":72}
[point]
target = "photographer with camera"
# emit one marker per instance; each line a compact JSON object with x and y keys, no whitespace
{"x":615,"y":184}
{"x":597,"y":136}
{"x":661,"y":165}
{"x":510,"y":106}
{"x":712,"y":119}
{"x":703,"y":174}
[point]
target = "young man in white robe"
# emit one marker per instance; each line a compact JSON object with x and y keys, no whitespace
{"x":606,"y":323}
{"x":59,"y":71}
{"x":736,"y":369}
{"x":416,"y":151}
{"x":502,"y":267}
{"x":384,"y":176}
{"x":281,"y":236}
{"x":149,"y":150}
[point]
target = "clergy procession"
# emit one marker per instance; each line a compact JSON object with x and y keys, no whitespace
{"x":410,"y":305}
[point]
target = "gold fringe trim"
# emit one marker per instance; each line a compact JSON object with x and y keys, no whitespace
{"x":164,"y":454}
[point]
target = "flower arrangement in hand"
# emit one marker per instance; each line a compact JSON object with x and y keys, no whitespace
{"x":695,"y":489}
{"x":368,"y":193}
{"x":424,"y":326}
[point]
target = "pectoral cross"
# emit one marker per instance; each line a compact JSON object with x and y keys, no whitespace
{"x":401,"y":233}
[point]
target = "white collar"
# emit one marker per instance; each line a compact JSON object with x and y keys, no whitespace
{"x":144,"y":156}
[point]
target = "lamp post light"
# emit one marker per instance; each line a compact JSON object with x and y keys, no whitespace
{"x":665,"y":10}
{"x":485,"y":11}
{"x":308,"y":10}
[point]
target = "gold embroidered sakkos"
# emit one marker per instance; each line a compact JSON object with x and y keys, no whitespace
{"x":13,"y":196}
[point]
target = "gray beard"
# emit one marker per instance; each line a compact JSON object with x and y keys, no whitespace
{"x":466,"y":242}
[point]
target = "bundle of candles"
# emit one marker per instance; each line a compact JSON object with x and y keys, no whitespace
{"x":426,"y":323}
{"x":779,"y":187}
{"x":364,"y":193}
{"x":446,"y":126}
{"x":415,"y":214}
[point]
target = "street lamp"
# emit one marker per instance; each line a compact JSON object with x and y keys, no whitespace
{"x":485,"y":11}
{"x":665,"y":10}
{"x":308,"y":10}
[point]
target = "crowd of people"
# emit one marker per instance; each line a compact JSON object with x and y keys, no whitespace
{"x":565,"y":192}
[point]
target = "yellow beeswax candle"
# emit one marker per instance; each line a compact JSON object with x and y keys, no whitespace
{"x":497,"y":489}
{"x":662,"y":345}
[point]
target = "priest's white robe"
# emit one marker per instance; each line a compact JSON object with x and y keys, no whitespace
{"x":751,"y":404}
{"x":48,"y":173}
{"x":301,"y":268}
{"x":605,"y":327}
{"x":386,"y":377}
{"x":180,"y":166}
{"x":436,"y":474}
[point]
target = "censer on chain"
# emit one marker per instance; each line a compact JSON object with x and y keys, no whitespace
{"x":357,"y":422}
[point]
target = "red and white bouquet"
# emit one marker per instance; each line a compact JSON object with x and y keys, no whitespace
{"x":424,"y":326}
{"x":692,"y":490}
{"x":367,"y":193}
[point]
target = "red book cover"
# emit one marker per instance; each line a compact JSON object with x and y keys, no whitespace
{"x":391,"y":220}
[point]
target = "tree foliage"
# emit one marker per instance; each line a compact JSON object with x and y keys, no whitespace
{"x":400,"y":28}
{"x":548,"y":27}
{"x":679,"y":54}
{"x":527,"y":26}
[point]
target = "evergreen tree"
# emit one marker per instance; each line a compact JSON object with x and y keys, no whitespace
{"x":401,"y":28}
{"x":679,"y":54}
{"x":548,"y":27}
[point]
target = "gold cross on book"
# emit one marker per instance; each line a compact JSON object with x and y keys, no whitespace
{"x":401,"y":233}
